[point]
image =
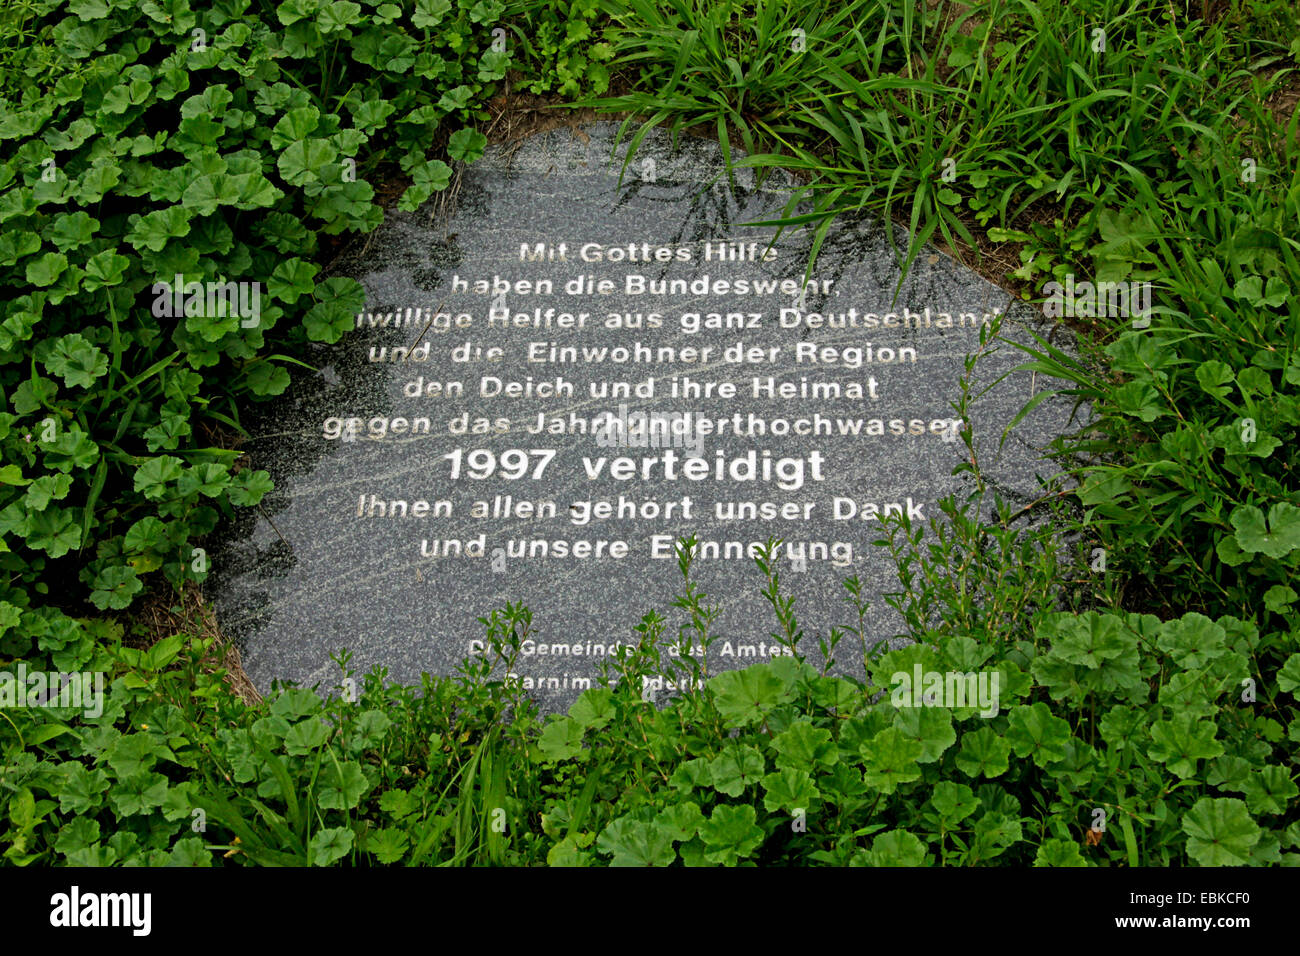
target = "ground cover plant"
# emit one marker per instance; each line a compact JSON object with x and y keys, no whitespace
{"x":1148,"y":711}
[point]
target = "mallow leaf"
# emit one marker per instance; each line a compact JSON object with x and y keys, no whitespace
{"x":1220,"y":832}
{"x":1278,"y":539}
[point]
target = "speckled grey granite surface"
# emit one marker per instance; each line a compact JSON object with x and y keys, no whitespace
{"x":303,"y":575}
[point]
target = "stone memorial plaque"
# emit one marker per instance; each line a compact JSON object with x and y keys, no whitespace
{"x":553,"y":383}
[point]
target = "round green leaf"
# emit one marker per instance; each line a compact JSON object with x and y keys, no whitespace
{"x":1220,"y":832}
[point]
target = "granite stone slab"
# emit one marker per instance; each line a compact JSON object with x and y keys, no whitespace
{"x":856,"y":407}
